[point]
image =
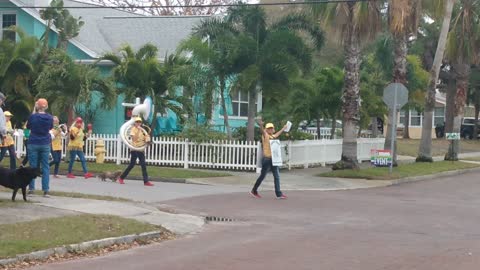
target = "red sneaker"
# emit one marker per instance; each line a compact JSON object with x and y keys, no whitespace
{"x":283,"y":197}
{"x":255,"y":195}
{"x":148,"y":183}
{"x":88,"y":175}
{"x":70,"y":175}
{"x":120,"y":181}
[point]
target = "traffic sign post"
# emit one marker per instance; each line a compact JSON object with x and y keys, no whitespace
{"x":395,"y":95}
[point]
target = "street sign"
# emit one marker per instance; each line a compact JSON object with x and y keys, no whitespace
{"x":381,"y":158}
{"x":395,"y":93}
{"x":452,"y":136}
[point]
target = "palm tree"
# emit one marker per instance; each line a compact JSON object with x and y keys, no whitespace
{"x":65,"y":83}
{"x":425,"y":148}
{"x":19,"y":65}
{"x":355,"y":22}
{"x":271,"y":52}
{"x":141,"y":74}
{"x":214,"y":44}
{"x":403,"y":18}
{"x":462,"y":52}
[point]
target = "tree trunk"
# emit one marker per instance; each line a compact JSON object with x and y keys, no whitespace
{"x":406,"y":125}
{"x":350,"y":98}
{"x":62,"y":44}
{"x":463,"y":72}
{"x":374,"y":123}
{"x":319,"y":135}
{"x":450,"y":105}
{"x":224,"y":107}
{"x":252,"y":110}
{"x":425,"y":148}
{"x":477,"y":110}
{"x":334,"y":128}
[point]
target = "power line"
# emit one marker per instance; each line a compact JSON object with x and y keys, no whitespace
{"x":292,"y":2}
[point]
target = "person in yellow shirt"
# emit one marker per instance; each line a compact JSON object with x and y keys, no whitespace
{"x":57,"y":133}
{"x":139,"y":139}
{"x":8,"y":142}
{"x":268,"y":133}
{"x":75,"y":146}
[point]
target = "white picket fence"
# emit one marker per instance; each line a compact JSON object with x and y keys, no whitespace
{"x":227,"y":155}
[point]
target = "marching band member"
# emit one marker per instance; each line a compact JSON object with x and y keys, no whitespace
{"x":9,"y":143}
{"x":139,"y":139}
{"x":57,"y":133}
{"x":75,"y":146}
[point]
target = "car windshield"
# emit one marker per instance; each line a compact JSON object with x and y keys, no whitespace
{"x":469,"y":121}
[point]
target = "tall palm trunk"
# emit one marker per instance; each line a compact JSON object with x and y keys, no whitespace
{"x":406,"y":124}
{"x":351,"y":98}
{"x":425,"y":148}
{"x":450,"y":104}
{"x":463,"y":72}
{"x":477,"y":110}
{"x":224,"y":108}
{"x":399,"y":76}
{"x":374,"y":123}
{"x":252,"y":109}
{"x":334,"y":127}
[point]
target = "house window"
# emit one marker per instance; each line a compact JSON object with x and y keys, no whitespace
{"x":439,"y":116}
{"x":8,"y":19}
{"x":416,"y":118}
{"x":401,"y":120}
{"x":239,"y":103}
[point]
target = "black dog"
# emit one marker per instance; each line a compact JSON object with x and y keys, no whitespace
{"x":18,"y":179}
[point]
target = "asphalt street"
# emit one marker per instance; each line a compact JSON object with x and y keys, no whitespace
{"x":432,"y":224}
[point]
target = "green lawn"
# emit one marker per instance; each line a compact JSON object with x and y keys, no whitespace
{"x":153,"y":171}
{"x":402,"y":171}
{"x":409,"y":147}
{"x":41,"y":234}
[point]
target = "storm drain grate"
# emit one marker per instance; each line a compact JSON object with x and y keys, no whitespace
{"x":219,"y":219}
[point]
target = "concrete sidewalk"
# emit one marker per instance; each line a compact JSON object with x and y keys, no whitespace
{"x":41,"y":207}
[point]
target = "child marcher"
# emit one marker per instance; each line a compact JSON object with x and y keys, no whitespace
{"x":139,"y":139}
{"x":9,"y":143}
{"x":75,"y":146}
{"x":268,"y":133}
{"x":57,"y":133}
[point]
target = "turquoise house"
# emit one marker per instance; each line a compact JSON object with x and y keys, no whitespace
{"x":106,"y":30}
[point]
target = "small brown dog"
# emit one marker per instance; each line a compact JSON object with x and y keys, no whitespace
{"x":110,"y":175}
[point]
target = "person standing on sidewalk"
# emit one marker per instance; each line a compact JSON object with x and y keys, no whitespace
{"x":139,"y":139}
{"x":40,"y":123}
{"x":9,"y":143}
{"x":75,"y":146}
{"x":268,"y":134}
{"x":57,"y":134}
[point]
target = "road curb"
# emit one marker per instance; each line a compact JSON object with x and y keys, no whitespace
{"x":432,"y":176}
{"x":44,"y":254}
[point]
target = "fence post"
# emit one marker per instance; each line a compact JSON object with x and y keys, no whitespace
{"x":185,"y":153}
{"x":305,"y":154}
{"x":119,"y":150}
{"x":259,"y":157}
{"x":289,"y":155}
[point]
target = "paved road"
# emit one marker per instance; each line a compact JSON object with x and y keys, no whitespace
{"x":424,"y":225}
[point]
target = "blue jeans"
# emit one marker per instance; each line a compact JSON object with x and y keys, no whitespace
{"x":11,"y":154}
{"x":57,"y":155}
{"x":73,"y":154}
{"x":38,"y":155}
{"x":266,"y":166}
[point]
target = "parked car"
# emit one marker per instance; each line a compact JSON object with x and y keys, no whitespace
{"x":467,"y":127}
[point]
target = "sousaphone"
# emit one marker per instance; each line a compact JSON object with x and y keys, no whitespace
{"x":145,"y":111}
